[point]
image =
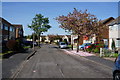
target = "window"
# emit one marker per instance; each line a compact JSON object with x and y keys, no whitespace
{"x":5,"y":37}
{"x":1,"y":26}
{"x":118,"y":42}
{"x":12,"y":28}
{"x":5,"y":27}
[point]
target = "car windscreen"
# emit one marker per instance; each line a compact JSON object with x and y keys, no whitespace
{"x":86,"y":44}
{"x":62,"y":44}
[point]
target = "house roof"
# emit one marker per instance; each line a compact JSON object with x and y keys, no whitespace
{"x":43,"y":35}
{"x":17,"y":25}
{"x":69,"y":36}
{"x":106,"y":21}
{"x":116,"y":21}
{"x":3,"y":20}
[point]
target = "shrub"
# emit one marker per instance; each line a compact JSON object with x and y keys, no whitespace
{"x":97,"y":50}
{"x":70,"y":46}
{"x":111,"y":55}
{"x":15,"y":45}
{"x":89,"y":49}
{"x":12,"y":45}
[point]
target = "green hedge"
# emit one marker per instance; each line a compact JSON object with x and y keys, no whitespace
{"x":111,"y":55}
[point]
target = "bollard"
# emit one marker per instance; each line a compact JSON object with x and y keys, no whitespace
{"x":101,"y":52}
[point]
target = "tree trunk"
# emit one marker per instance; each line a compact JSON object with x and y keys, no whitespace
{"x":78,"y":42}
{"x":39,"y":40}
{"x":72,"y":42}
{"x":72,"y":46}
{"x":33,"y":41}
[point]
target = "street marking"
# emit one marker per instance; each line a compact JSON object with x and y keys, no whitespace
{"x":60,"y":70}
{"x":34,"y":71}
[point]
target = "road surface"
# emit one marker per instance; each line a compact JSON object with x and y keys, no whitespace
{"x":52,"y":62}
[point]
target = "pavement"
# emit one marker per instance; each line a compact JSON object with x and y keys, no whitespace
{"x":80,"y":53}
{"x":12,"y":64}
{"x":52,"y":62}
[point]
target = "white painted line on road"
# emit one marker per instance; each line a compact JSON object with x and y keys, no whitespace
{"x":60,"y":70}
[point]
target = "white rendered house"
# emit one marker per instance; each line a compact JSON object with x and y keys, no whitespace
{"x":114,"y":33}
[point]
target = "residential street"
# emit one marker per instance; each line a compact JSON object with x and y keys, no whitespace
{"x":52,"y":62}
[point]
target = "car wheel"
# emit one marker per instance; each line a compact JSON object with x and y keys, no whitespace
{"x":117,"y":76}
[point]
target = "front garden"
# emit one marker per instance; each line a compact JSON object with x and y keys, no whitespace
{"x":13,"y":47}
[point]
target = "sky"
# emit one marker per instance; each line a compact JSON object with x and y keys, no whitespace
{"x":60,"y":0}
{"x":24,"y":12}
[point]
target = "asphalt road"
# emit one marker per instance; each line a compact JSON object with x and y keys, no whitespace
{"x":10,"y":65}
{"x":51,"y":62}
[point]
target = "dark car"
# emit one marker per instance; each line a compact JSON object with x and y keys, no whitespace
{"x":116,"y":69}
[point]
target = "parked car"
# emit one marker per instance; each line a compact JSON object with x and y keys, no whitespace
{"x":62,"y":45}
{"x":116,"y":69}
{"x":84,"y":45}
{"x":95,"y":45}
{"x":35,"y":43}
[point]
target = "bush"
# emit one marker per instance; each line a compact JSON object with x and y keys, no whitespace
{"x":96,"y":50}
{"x":15,"y":45}
{"x":89,"y":49}
{"x":12,"y":45}
{"x":70,"y":46}
{"x":111,"y":55}
{"x":4,"y":47}
{"x":107,"y":51}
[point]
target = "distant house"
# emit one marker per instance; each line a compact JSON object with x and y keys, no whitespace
{"x":114,"y":33}
{"x":105,"y":33}
{"x":74,"y":39}
{"x":47,"y":39}
{"x":93,"y":38}
{"x":43,"y":38}
{"x":67,"y":38}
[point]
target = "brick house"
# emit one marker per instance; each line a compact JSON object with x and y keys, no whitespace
{"x":19,"y":30}
{"x":9,"y":31}
{"x":104,"y":34}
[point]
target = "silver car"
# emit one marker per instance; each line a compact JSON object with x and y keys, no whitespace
{"x":62,"y":45}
